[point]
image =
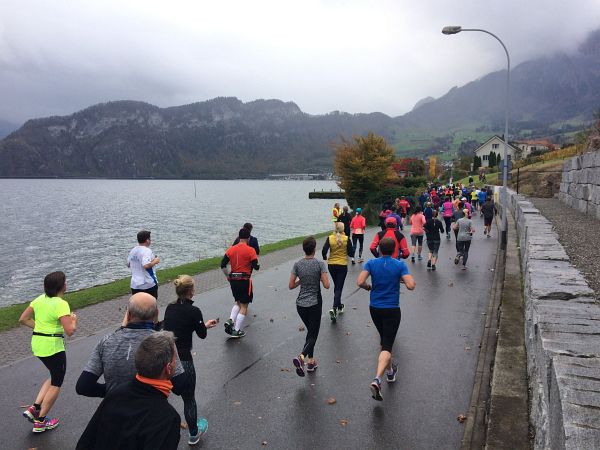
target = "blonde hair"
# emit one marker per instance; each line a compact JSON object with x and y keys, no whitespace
{"x":466,"y":212}
{"x":183,"y":285}
{"x":339,"y":231}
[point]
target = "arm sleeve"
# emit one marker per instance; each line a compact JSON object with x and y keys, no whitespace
{"x":88,"y":386}
{"x":325,"y":249}
{"x":255,"y":264}
{"x":224,"y":261}
{"x":199,"y":326}
{"x":374,"y":245}
{"x":403,"y":248}
{"x":255,"y":246}
{"x":94,"y":364}
{"x":349,"y":248}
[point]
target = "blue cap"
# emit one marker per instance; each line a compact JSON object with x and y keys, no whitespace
{"x":358,"y":210}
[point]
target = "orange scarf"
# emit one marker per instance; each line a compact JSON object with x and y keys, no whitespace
{"x":163,"y":386}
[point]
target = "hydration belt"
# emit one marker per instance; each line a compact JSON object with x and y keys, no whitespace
{"x":239,"y":276}
{"x":58,"y":335}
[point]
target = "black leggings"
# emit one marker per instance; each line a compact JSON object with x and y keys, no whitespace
{"x":57,"y":365}
{"x":387,"y":322}
{"x":311,"y":316}
{"x":463,"y":250}
{"x":361,"y":239}
{"x":448,"y":222}
{"x":190,"y":410}
{"x":338,"y":275}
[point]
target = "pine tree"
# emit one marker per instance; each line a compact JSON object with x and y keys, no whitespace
{"x":492,"y":159}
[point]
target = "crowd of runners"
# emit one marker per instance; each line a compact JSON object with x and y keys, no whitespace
{"x":146,"y":359}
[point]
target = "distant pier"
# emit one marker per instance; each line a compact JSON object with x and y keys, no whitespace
{"x":327,"y":194}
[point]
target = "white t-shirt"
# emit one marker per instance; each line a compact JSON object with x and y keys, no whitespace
{"x":140,"y":277}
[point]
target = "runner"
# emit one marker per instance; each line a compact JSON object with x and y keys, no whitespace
{"x":482,"y":196}
{"x":465,"y":230}
{"x":340,"y":248}
{"x":141,"y":261}
{"x":184,"y":319}
{"x":345,"y":217}
{"x":405,"y":206}
{"x":308,"y":273}
{"x":428,"y":211}
{"x":357,"y":227}
{"x":243,"y":260}
{"x":401,"y":247}
{"x":50,"y":317}
{"x":386,"y":275}
{"x":417,"y":220}
{"x":447,"y":211}
{"x":456,"y":215}
{"x":488,"y":210}
{"x":474,"y":199}
{"x":335,"y":212}
{"x":252,"y":241}
{"x":433,"y":227}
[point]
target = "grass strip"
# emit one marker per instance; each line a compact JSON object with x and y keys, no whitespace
{"x":9,"y":315}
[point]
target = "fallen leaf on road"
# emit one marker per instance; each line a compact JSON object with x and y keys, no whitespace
{"x":450,"y":284}
{"x":331,"y":401}
{"x":183,"y":426}
{"x":237,"y":403}
{"x":461,"y":418}
{"x":343,"y":422}
{"x":354,"y":307}
{"x":368,"y":325}
{"x":270,"y":320}
{"x":483,"y":314}
{"x":467,"y":348}
{"x":339,"y":361}
{"x":254,"y":315}
{"x":301,"y":328}
{"x":263,"y":443}
{"x":284,"y":369}
{"x":348,"y":333}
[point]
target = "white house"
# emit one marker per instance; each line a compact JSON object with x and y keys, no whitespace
{"x":494,"y":144}
{"x":532,"y":146}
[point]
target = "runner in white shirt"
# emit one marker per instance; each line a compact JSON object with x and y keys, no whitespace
{"x":141,"y":262}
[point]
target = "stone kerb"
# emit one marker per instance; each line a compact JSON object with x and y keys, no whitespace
{"x":562,"y":335}
{"x":580,"y":184}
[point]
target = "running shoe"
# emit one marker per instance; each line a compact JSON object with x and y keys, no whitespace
{"x":391,"y":377}
{"x":448,"y":236}
{"x":376,"y":390}
{"x":31,"y":413}
{"x":333,"y":315}
{"x":419,"y":257}
{"x":412,"y":258}
{"x":489,"y":235}
{"x":463,"y":268}
{"x":484,"y":231}
{"x":428,"y":264}
{"x":311,"y":367}
{"x":353,"y":262}
{"x":360,"y":260}
{"x":457,"y":259}
{"x":299,"y":364}
{"x":202,"y":428}
{"x":341,"y":308}
{"x":228,"y":326}
{"x":44,"y":425}
{"x":238,"y":334}
{"x":433,"y":267}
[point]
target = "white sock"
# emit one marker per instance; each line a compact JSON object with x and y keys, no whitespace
{"x":239,"y":321}
{"x":234,"y":312}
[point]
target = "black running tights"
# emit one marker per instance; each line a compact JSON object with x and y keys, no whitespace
{"x":190,"y":410}
{"x":361,"y":239}
{"x":311,"y":316}
{"x":463,"y":249}
{"x":338,"y":275}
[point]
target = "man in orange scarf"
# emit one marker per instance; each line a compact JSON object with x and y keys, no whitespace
{"x":137,"y":414}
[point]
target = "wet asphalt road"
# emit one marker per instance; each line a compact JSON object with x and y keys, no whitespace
{"x":252,"y":397}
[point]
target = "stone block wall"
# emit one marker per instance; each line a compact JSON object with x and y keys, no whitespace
{"x":580,"y":185}
{"x":562,"y":337}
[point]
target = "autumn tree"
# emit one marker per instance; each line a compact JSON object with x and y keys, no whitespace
{"x":364,"y":166}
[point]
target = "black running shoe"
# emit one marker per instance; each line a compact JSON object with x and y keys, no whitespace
{"x":376,"y":390}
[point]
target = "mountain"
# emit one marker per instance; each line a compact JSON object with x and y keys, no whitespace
{"x":6,"y":128}
{"x":226,"y":138}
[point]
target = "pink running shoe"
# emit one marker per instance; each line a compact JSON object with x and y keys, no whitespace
{"x":31,"y":413}
{"x":47,"y":424}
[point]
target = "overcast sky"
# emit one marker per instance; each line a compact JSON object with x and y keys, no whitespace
{"x":57,"y":57}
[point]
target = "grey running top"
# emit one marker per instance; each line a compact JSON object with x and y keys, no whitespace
{"x":309,"y":272}
{"x":114,"y":356}
{"x":465,"y":225}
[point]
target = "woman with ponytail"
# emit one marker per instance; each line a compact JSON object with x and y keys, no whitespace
{"x":183,"y":319}
{"x":340,"y":248}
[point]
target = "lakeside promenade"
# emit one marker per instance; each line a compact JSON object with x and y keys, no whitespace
{"x":248,"y":390}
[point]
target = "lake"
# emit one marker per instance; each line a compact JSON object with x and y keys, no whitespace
{"x":87,"y":227}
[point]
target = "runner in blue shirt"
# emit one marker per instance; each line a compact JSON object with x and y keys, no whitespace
{"x":386,"y":275}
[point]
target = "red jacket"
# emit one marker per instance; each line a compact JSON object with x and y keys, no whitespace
{"x":401,"y":246}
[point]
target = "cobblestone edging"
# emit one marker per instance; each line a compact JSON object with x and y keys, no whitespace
{"x":562,"y":337}
{"x":580,"y":185}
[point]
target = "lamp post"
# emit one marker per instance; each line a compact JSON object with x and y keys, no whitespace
{"x":503,"y":193}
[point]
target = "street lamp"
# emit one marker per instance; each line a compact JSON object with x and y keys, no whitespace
{"x":503,"y":195}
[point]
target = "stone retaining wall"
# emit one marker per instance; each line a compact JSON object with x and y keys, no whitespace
{"x":562,"y":337}
{"x":580,"y":185}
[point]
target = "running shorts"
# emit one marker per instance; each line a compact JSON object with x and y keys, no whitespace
{"x":57,"y":366}
{"x":153,"y":291}
{"x":415,"y":238}
{"x":242,"y":290}
{"x":433,"y":246}
{"x":487,"y":221}
{"x":387,"y":321}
